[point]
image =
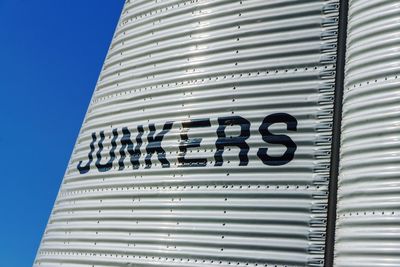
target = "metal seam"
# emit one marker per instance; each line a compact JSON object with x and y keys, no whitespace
{"x":336,"y":132}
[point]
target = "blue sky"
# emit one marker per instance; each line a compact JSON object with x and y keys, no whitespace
{"x":51,"y":56}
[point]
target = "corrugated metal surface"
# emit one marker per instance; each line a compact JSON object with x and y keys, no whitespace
{"x":209,"y":71}
{"x":368,"y":199}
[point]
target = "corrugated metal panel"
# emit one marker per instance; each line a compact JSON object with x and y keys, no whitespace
{"x":209,"y":71}
{"x":368,"y":199}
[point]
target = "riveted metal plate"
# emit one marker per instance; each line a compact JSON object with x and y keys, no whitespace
{"x":368,"y":211}
{"x":207,"y":140}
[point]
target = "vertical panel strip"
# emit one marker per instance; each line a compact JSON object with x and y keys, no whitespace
{"x":336,"y":131}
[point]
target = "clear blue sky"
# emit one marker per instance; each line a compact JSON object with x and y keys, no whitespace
{"x":51,"y":54}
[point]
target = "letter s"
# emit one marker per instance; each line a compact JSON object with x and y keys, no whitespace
{"x":281,"y":139}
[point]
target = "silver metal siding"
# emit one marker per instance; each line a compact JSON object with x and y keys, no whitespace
{"x":368,"y":228}
{"x":182,"y":60}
